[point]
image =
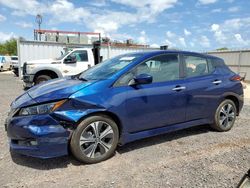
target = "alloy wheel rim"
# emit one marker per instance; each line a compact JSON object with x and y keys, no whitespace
{"x":227,"y":115}
{"x":96,"y":139}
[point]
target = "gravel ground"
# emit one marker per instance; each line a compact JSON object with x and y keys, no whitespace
{"x":196,"y":157}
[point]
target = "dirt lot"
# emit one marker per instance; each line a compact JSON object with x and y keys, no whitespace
{"x":197,"y":157}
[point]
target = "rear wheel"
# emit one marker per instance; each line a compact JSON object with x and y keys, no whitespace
{"x":225,"y":116}
{"x":95,"y":139}
{"x":42,"y":78}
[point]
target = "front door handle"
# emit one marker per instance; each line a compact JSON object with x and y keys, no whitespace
{"x":216,"y":82}
{"x":179,"y":88}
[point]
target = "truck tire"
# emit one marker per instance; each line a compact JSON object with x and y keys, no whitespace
{"x":42,"y":78}
{"x":15,"y":71}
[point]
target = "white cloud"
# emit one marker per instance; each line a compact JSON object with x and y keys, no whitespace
{"x":234,"y":9}
{"x":147,"y":10}
{"x":154,"y":6}
{"x":24,"y":24}
{"x":204,"y":41}
{"x":155,"y":45}
{"x":182,"y":41}
{"x":218,"y":34}
{"x":169,"y":43}
{"x":2,"y":18}
{"x":240,"y":40}
{"x":186,"y":32}
{"x":215,"y":27}
{"x":217,"y":10}
{"x":205,"y":2}
{"x":229,"y":33}
{"x":107,"y":21}
{"x":65,"y":11}
{"x":170,"y":34}
{"x":192,"y":44}
{"x":24,"y":7}
{"x":6,"y":36}
{"x":98,"y":3}
{"x":143,"y":39}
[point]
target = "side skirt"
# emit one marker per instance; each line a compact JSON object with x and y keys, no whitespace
{"x":130,"y":137}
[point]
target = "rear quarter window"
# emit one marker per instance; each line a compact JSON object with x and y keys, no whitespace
{"x":195,"y":65}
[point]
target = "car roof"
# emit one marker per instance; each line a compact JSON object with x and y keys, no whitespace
{"x":159,"y":52}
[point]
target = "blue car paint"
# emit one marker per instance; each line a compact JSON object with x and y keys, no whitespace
{"x":51,"y":137}
{"x":139,"y":110}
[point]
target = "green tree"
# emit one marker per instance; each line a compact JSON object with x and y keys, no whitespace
{"x":221,"y":49}
{"x":9,"y":47}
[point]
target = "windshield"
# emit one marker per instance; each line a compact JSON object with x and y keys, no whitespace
{"x":63,"y":55}
{"x":109,"y":67}
{"x":14,"y":58}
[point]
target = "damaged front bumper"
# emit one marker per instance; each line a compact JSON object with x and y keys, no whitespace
{"x":39,"y":136}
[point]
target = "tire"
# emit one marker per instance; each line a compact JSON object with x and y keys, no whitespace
{"x":87,"y":145}
{"x":42,"y":78}
{"x":16,"y":72}
{"x":225,"y":116}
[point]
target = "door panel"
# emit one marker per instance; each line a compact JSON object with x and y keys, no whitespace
{"x":157,"y":104}
{"x":203,"y":97}
{"x":203,"y":88}
{"x":80,"y":65}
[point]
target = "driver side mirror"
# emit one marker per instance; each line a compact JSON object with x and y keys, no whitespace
{"x":70,"y":59}
{"x":141,"y":79}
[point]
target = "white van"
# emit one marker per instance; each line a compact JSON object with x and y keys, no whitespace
{"x":5,"y":63}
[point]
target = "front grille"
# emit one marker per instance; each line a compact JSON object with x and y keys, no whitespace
{"x":24,"y":68}
{"x":24,"y":142}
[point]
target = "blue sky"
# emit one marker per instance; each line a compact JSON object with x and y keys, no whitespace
{"x":185,"y":24}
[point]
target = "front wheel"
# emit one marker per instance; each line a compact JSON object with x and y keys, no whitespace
{"x":225,"y":116}
{"x":42,"y":78}
{"x":95,"y":139}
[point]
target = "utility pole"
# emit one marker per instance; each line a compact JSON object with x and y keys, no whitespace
{"x":39,"y":20}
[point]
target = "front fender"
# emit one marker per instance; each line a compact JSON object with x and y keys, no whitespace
{"x":76,"y":110}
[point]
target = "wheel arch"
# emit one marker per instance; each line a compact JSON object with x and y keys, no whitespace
{"x":48,"y":72}
{"x":235,"y":100}
{"x":111,"y":115}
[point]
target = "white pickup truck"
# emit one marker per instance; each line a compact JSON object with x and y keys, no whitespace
{"x":71,"y":63}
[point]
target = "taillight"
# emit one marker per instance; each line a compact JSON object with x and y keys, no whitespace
{"x":236,"y":78}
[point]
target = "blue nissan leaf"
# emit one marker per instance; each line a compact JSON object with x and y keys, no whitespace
{"x":123,"y":99}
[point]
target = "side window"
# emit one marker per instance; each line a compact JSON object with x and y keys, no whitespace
{"x":3,"y":60}
{"x":81,"y":55}
{"x":162,"y":68}
{"x":195,"y":66}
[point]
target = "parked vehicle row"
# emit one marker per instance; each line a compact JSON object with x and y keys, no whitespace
{"x":120,"y":100}
{"x":14,"y":64}
{"x":5,"y":63}
{"x":9,"y":63}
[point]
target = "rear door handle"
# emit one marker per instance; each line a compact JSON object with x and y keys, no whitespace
{"x":179,"y":88}
{"x":216,"y":82}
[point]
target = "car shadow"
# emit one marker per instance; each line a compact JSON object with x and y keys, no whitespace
{"x":164,"y":138}
{"x":44,"y":164}
{"x":63,"y":162}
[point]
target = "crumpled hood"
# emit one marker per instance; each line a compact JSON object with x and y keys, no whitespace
{"x":50,"y":91}
{"x":43,"y":61}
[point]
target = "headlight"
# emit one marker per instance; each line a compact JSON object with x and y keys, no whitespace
{"x":41,"y":109}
